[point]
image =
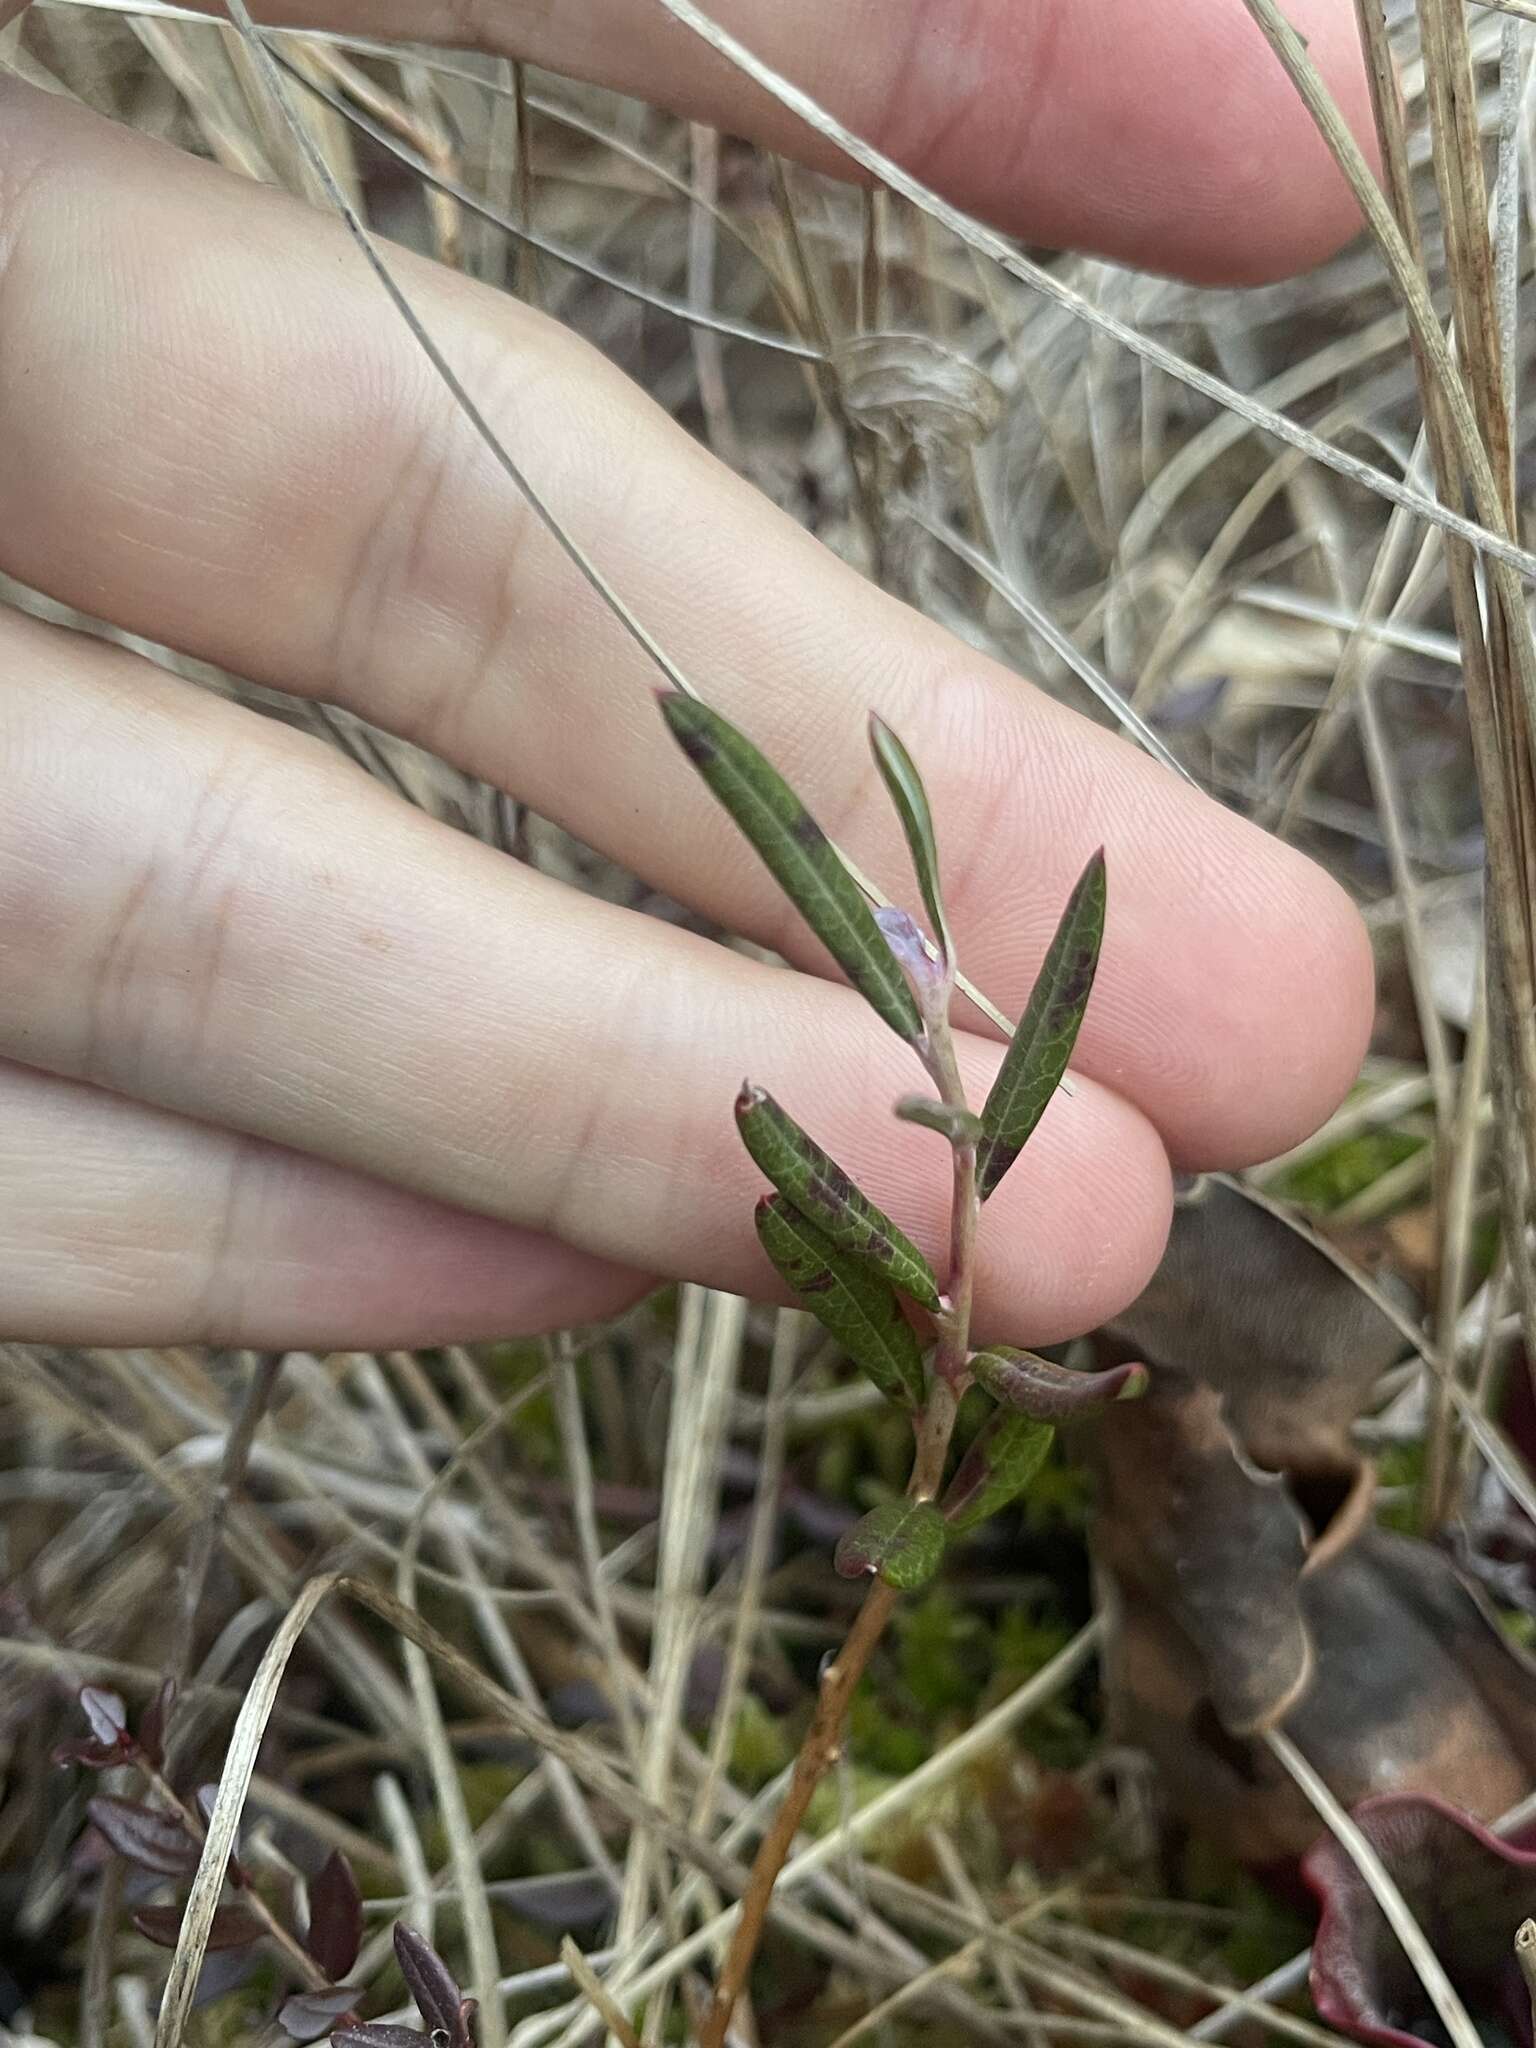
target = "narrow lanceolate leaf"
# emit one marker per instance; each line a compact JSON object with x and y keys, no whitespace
{"x":1052,"y":1393}
{"x":433,"y":1986}
{"x":825,"y":1195}
{"x":1038,"y":1053}
{"x":960,"y":1126}
{"x":899,"y":773}
{"x":902,"y":1541}
{"x":797,"y":853}
{"x":1007,"y":1453}
{"x":857,"y":1306}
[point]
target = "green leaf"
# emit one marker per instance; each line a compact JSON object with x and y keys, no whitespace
{"x":1008,"y":1451}
{"x":797,"y":853}
{"x":960,"y":1126}
{"x":857,"y":1306}
{"x":826,"y":1196}
{"x":899,"y":773}
{"x":1052,"y":1393}
{"x":1038,"y":1052}
{"x":902,"y":1540}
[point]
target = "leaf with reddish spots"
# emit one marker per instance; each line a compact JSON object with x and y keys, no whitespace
{"x":902,"y":1541}
{"x":827,"y":1197}
{"x":797,"y":853}
{"x":1052,"y":1393}
{"x":1007,"y":1452}
{"x":1039,"y":1050}
{"x":857,"y":1306}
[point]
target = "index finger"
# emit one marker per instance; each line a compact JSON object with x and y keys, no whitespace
{"x":1161,"y":133}
{"x":355,"y":543}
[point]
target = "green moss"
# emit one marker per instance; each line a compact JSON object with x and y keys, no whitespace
{"x":1400,"y":1473}
{"x":761,"y":1745}
{"x":510,"y":1368}
{"x":942,"y":1653}
{"x":1347,"y":1169}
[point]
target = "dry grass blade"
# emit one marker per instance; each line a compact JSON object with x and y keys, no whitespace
{"x":1442,"y":1994}
{"x":224,"y":1822}
{"x":596,"y":1992}
{"x":1484,"y":537}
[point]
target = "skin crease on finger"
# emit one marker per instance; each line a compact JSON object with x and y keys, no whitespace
{"x":124,"y":1224}
{"x":207,"y":911}
{"x":1215,"y":171}
{"x":291,"y":494}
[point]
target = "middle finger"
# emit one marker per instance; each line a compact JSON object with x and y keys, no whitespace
{"x":205,"y":910}
{"x":236,"y":449}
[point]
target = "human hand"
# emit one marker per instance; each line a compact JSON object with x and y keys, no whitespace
{"x":285,"y":1061}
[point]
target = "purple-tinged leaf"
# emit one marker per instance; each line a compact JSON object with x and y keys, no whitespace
{"x":95,"y":1757}
{"x":378,"y":2034}
{"x":857,"y":1306}
{"x":335,"y":1932}
{"x":902,"y":1541}
{"x":827,"y":1196}
{"x":1052,"y":1393}
{"x":960,"y":1126}
{"x":109,"y":1741}
{"x":1007,"y":1452}
{"x":1039,"y":1050}
{"x":797,"y":853}
{"x":152,"y":1727}
{"x":154,"y":1840}
{"x":233,"y":1926}
{"x":438,"y":1997}
{"x":904,"y":786}
{"x":105,"y":1714}
{"x":1468,"y":1891}
{"x":309,"y":2014}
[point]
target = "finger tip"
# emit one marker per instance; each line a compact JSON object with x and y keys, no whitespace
{"x":1076,"y":1231}
{"x":1283,"y":205}
{"x":1286,"y":1034}
{"x":1214,"y":171}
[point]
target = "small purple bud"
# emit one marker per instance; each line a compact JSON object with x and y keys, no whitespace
{"x":919,"y":961}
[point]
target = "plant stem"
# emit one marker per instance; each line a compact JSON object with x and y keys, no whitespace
{"x":822,"y":1744}
{"x":302,"y":1961}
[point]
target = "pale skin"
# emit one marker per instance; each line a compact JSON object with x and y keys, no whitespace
{"x":283,"y":1061}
